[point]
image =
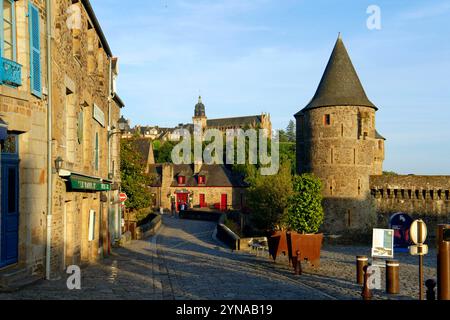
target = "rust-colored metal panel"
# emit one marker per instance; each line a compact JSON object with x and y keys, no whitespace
{"x":278,"y":244}
{"x":309,"y":246}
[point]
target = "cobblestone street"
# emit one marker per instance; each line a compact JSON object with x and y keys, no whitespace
{"x":182,"y":262}
{"x":185,"y":262}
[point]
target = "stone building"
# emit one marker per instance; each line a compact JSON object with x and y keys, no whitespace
{"x":62,"y":120}
{"x":200,"y":119}
{"x":198,"y":186}
{"x":337,"y":141}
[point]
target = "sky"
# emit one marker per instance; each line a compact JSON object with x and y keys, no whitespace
{"x":246,"y":57}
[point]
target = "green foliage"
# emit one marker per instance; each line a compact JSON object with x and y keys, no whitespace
{"x":164,"y":152}
{"x":390,"y":173}
{"x":283,"y":137}
{"x":268,"y":198}
{"x":305,"y":213}
{"x":288,"y":153}
{"x":135,"y":181}
{"x":291,"y":131}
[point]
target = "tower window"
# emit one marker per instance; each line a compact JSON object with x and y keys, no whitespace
{"x":327,"y":120}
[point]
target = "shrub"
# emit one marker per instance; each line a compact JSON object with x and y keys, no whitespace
{"x":305,"y":213}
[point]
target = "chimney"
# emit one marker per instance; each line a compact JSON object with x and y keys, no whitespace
{"x":167,"y":175}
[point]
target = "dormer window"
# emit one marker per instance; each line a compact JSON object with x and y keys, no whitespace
{"x":181,"y":180}
{"x":201,"y":180}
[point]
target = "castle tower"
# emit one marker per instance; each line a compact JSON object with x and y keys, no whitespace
{"x":200,"y":114}
{"x":338,"y":142}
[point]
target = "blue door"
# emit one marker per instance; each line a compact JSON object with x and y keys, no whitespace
{"x":9,"y":227}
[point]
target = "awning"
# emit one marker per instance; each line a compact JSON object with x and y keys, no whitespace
{"x":86,"y":183}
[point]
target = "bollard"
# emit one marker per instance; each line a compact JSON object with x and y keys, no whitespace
{"x":298,"y":265}
{"x":366,"y":294}
{"x":392,"y":277}
{"x":431,"y":292}
{"x":444,"y":271}
{"x":361,"y":262}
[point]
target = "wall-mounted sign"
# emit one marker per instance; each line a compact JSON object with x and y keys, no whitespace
{"x":88,"y":184}
{"x":99,"y":115}
{"x":383,"y":243}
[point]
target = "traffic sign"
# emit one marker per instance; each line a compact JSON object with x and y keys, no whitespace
{"x":419,"y":250}
{"x":419,"y":232}
{"x":123,"y":197}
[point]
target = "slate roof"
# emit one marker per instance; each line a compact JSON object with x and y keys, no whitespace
{"x":143,"y":146}
{"x":379,"y":136}
{"x":216,"y":176}
{"x":234,"y":122}
{"x":340,"y":84}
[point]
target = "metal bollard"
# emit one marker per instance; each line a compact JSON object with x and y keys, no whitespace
{"x":444,"y":271}
{"x":361,"y":262}
{"x":392,"y":277}
{"x":431,"y":292}
{"x":366,"y":294}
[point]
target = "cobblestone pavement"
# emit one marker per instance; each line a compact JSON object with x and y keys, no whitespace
{"x":182,"y":262}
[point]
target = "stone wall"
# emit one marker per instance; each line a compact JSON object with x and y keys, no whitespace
{"x":426,"y":197}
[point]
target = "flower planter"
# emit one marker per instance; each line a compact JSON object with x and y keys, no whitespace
{"x":309,"y":246}
{"x":278,"y":244}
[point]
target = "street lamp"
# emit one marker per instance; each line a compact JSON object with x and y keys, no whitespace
{"x":121,"y":124}
{"x":58,"y":164}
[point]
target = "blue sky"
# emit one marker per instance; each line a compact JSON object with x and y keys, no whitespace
{"x":251,"y":56}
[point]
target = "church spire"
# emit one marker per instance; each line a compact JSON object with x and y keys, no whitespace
{"x":200,"y":108}
{"x":340,"y":84}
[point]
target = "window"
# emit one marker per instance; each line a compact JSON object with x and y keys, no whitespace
{"x":327,"y":120}
{"x":181,"y":180}
{"x":9,"y":36}
{"x":9,"y":146}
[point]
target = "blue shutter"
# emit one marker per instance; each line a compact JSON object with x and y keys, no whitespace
{"x":35,"y":51}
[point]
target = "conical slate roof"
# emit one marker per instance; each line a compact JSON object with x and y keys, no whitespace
{"x":340,"y":84}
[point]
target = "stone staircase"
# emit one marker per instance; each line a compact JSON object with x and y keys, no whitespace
{"x":15,"y":279}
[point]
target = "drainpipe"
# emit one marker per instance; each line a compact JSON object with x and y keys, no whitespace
{"x":110,"y":97}
{"x":49,"y":146}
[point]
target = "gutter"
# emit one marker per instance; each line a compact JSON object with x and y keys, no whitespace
{"x":49,"y":145}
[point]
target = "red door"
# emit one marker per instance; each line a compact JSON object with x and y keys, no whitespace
{"x":202,"y":201}
{"x":224,"y":202}
{"x":182,"y":198}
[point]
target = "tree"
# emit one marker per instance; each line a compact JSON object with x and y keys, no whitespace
{"x":291,"y":131}
{"x":135,"y":181}
{"x":268,"y":198}
{"x":305,"y":213}
{"x":282,"y":136}
{"x":165,"y":152}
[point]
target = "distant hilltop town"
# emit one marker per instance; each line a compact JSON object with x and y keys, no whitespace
{"x":262,"y":121}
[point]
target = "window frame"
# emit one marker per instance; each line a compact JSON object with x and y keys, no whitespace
{"x":13,"y":27}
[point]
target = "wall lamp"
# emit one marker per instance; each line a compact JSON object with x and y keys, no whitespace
{"x":58,"y":164}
